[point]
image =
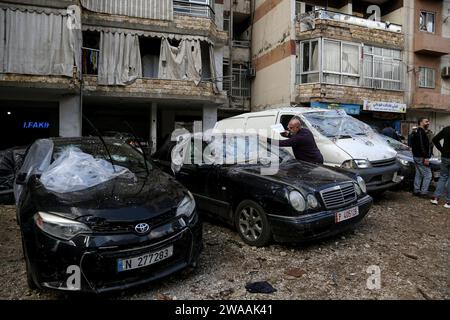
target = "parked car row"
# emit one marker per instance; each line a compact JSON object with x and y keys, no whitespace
{"x":100,"y":205}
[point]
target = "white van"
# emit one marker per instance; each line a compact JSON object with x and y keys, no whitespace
{"x":345,"y":142}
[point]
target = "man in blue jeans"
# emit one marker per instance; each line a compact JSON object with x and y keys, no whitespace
{"x":445,"y":166}
{"x":421,"y":152}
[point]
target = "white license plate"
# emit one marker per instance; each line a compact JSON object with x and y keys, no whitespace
{"x":346,"y":214}
{"x":144,"y":260}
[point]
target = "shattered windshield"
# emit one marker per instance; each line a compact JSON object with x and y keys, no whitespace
{"x":121,"y":153}
{"x":245,"y":149}
{"x":397,"y":145}
{"x":337,"y":124}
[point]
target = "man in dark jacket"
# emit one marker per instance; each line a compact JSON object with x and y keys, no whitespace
{"x":389,"y":131}
{"x":421,"y":152}
{"x":302,"y":142}
{"x":445,"y":165}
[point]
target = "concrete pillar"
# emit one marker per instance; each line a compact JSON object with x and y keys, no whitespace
{"x":209,"y":117}
{"x":70,"y":117}
{"x":167,"y":122}
{"x":153,"y":126}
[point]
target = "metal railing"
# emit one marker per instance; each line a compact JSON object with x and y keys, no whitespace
{"x":241,"y":43}
{"x":90,"y":61}
{"x":194,"y":9}
{"x":307,"y":20}
{"x":239,"y":85}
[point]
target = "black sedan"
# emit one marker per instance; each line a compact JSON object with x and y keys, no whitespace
{"x":97,"y":217}
{"x":295,"y":202}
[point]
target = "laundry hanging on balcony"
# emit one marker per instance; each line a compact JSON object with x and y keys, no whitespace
{"x":182,"y":62}
{"x":38,"y":42}
{"x":149,"y":9}
{"x":120,"y":59}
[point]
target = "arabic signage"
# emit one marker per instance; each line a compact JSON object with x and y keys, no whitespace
{"x":352,"y":109}
{"x":383,"y":106}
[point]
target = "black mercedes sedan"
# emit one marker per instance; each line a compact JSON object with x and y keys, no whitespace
{"x":262,"y":191}
{"x":95,"y":216}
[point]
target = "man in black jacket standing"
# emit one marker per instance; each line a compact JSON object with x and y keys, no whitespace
{"x":421,"y":153}
{"x":445,"y":165}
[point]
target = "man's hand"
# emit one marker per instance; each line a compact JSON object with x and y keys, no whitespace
{"x":426,"y":162}
{"x":285,"y":134}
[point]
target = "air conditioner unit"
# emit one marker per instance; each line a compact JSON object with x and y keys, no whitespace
{"x":446,"y":72}
{"x":251,"y":73}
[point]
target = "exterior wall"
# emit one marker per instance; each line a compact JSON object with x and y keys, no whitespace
{"x":273,"y":53}
{"x":155,"y":89}
{"x":348,"y":32}
{"x":344,"y":94}
{"x":395,"y":16}
{"x":239,"y":6}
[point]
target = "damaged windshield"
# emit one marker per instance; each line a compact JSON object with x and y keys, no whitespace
{"x":121,"y":153}
{"x":337,"y":124}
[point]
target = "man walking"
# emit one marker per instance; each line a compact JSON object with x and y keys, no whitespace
{"x":445,"y":165}
{"x":421,"y":153}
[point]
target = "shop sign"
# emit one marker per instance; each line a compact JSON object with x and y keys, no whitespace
{"x":35,"y":125}
{"x":382,"y":106}
{"x":352,"y":109}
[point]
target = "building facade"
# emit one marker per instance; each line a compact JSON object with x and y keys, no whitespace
{"x":156,"y":64}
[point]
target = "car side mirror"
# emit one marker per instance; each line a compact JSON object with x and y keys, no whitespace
{"x":21,"y":178}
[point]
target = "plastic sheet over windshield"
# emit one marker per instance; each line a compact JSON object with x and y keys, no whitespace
{"x":337,"y":124}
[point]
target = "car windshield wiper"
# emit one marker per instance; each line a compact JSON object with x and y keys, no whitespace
{"x":101,"y":139}
{"x":140,"y":146}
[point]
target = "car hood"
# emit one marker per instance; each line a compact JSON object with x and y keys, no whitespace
{"x":118,"y":199}
{"x":301,"y":175}
{"x":363,"y":147}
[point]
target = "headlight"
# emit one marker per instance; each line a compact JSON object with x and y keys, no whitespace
{"x":358,"y":189}
{"x":312,"y":201}
{"x":186,"y":206}
{"x":362,"y":184}
{"x":404,"y":162}
{"x":356,"y":164}
{"x":297,"y":201}
{"x":59,"y":227}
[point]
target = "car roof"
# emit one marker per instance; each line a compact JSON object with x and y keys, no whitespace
{"x":295,"y":110}
{"x":58,"y":141}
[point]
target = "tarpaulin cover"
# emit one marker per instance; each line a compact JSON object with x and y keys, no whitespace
{"x":74,"y":170}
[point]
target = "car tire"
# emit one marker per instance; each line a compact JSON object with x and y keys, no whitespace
{"x":252,"y":225}
{"x":30,"y":281}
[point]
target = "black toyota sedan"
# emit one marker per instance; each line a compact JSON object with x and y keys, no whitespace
{"x":97,"y":217}
{"x":265,"y":194}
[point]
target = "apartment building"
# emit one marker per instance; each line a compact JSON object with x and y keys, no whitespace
{"x":428,"y":54}
{"x":331,"y":54}
{"x":156,"y":64}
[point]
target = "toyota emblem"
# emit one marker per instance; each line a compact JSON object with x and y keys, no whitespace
{"x":142,"y":228}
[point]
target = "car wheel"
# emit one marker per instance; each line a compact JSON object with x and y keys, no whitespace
{"x":252,"y":224}
{"x":31,"y":284}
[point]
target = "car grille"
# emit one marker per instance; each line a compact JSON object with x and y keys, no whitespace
{"x":383,"y":163}
{"x":338,"y":196}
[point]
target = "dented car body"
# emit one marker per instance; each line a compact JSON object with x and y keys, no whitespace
{"x":298,"y":202}
{"x":119,"y":231}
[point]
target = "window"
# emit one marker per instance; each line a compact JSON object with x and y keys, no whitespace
{"x":382,"y":68}
{"x":426,"y":21}
{"x":308,"y":66}
{"x":340,"y":62}
{"x":426,"y":77}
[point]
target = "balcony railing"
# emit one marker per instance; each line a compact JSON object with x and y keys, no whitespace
{"x":90,"y":60}
{"x":239,"y":85}
{"x":241,"y":43}
{"x":307,"y":20}
{"x":194,"y":9}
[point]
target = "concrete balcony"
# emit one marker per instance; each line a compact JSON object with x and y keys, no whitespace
{"x":345,"y":27}
{"x":239,"y":6}
{"x":430,"y":100}
{"x":28,"y":83}
{"x":240,"y":51}
{"x":344,"y":94}
{"x":429,"y":43}
{"x":155,"y":90}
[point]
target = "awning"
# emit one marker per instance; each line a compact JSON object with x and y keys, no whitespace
{"x":149,"y":34}
{"x":149,"y":9}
